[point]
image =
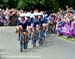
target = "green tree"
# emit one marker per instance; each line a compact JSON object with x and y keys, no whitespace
{"x":40,"y":4}
{"x":72,"y":3}
{"x":20,"y":4}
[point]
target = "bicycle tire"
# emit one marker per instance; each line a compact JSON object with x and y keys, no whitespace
{"x":21,"y":44}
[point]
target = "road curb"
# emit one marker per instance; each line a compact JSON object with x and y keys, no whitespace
{"x":66,"y":40}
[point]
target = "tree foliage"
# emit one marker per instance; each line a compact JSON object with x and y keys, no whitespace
{"x":40,"y":4}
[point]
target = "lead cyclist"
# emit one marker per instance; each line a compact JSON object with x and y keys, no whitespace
{"x":21,"y":27}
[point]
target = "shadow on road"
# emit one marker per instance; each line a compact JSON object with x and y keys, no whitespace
{"x":47,"y":44}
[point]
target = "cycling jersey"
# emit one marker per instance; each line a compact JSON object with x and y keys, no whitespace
{"x":36,"y":22}
{"x":44,"y":20}
{"x":23,"y":24}
{"x":29,"y":22}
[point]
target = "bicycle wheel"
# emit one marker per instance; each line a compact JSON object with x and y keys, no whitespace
{"x":21,"y":43}
{"x":41,"y":42}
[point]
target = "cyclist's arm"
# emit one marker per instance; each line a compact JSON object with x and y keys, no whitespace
{"x":19,"y":26}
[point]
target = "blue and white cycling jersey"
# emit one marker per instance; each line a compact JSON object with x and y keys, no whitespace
{"x":42,"y":21}
{"x":22,"y":23}
{"x":29,"y":22}
{"x":36,"y":22}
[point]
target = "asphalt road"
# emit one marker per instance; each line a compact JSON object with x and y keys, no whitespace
{"x":53,"y":48}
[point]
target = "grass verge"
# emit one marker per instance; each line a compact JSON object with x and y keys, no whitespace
{"x":66,"y":38}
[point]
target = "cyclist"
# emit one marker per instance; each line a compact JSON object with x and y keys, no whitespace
{"x":36,"y":25}
{"x":29,"y":28}
{"x":43,"y":22}
{"x":21,"y":26}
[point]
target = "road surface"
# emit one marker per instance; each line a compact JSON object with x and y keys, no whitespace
{"x":53,"y":48}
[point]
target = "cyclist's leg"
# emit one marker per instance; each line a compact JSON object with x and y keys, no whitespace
{"x":31,"y":41}
{"x":48,"y":26}
{"x":34,"y":38}
{"x":18,"y":30}
{"x":44,"y":34}
{"x":38,"y":36}
{"x":44,"y":30}
{"x":25,"y":39}
{"x":28,"y":33}
{"x":41,"y":35}
{"x":24,"y":33}
{"x":32,"y":35}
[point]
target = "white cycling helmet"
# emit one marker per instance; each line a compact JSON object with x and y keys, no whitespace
{"x":22,"y":15}
{"x":36,"y":14}
{"x":28,"y":14}
{"x":40,"y":13}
